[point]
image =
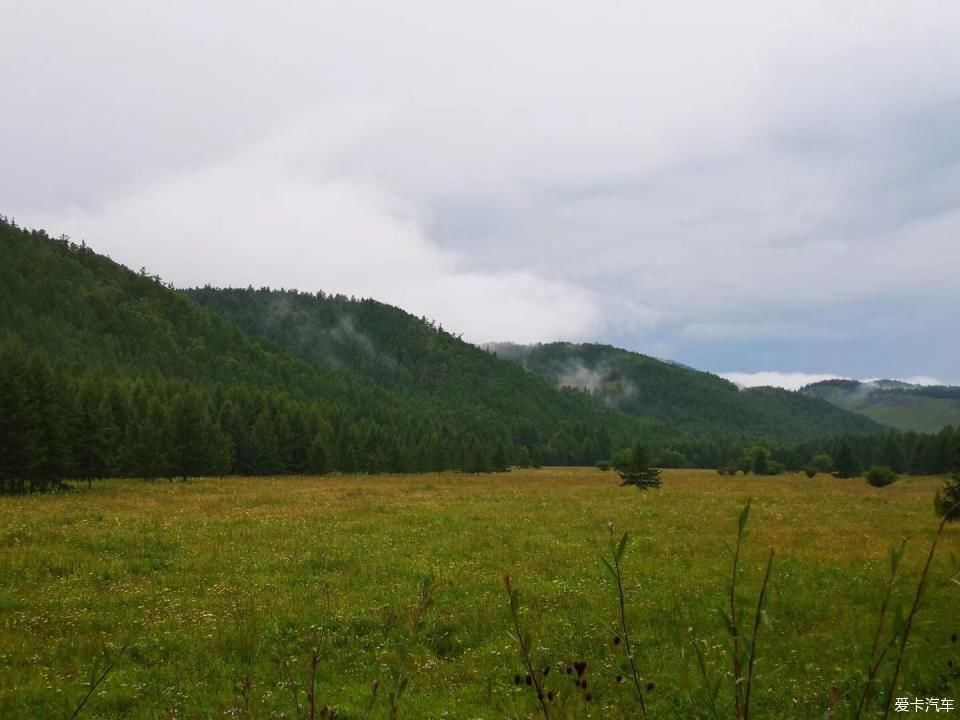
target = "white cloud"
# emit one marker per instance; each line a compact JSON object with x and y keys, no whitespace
{"x":674,"y":174}
{"x":256,"y":220}
{"x":772,"y":378}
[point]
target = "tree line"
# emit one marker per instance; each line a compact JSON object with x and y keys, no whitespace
{"x":56,"y":424}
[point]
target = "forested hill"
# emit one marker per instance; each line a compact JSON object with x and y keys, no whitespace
{"x":693,"y":402}
{"x":412,"y":358}
{"x":106,"y":371}
{"x":901,"y":405}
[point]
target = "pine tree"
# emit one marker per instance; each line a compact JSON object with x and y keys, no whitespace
{"x":95,"y":433}
{"x":318,"y":460}
{"x":761,"y":464}
{"x":638,"y":471}
{"x":536,"y":459}
{"x":847,"y":466}
{"x":891,"y":455}
{"x":266,"y":446}
{"x":151,"y":439}
{"x":20,"y":430}
{"x":523,"y":457}
{"x":197,"y":439}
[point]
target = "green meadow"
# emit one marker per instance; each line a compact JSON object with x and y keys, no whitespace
{"x":231,"y":598}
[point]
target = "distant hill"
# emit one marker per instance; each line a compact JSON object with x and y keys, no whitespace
{"x":692,"y":401}
{"x":893,"y":402}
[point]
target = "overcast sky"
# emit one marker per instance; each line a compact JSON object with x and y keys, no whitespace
{"x":739,"y":186}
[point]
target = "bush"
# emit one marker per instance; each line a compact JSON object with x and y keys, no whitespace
{"x":881,"y":476}
{"x":947,"y":501}
{"x":603,"y":465}
{"x":810,"y":471}
{"x":822,"y":463}
{"x":672,"y":459}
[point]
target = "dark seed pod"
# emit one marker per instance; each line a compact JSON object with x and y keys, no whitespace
{"x":583,"y":684}
{"x":619,"y":678}
{"x":529,"y":680}
{"x":546,"y":671}
{"x":650,"y":686}
{"x":550,"y":695}
{"x":953,"y":638}
{"x":616,"y":639}
{"x":581,"y":668}
{"x":569,"y":671}
{"x":588,"y":697}
{"x":517,"y":680}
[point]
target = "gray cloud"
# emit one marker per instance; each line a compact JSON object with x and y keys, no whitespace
{"x":674,"y":176}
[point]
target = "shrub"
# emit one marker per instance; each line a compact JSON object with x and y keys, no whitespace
{"x":810,"y":471}
{"x":947,"y":502}
{"x":881,"y":476}
{"x":672,"y":459}
{"x":822,"y":463}
{"x":603,"y":465}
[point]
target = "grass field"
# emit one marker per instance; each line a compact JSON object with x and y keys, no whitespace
{"x":219,"y":587}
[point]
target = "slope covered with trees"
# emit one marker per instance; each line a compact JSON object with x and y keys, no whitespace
{"x":106,"y":371}
{"x":898,"y":404}
{"x":417,"y":361}
{"x":694,"y":403}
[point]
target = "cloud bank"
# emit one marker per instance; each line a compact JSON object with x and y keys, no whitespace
{"x":742,"y":185}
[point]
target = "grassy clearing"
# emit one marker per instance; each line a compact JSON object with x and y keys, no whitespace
{"x":221,"y":586}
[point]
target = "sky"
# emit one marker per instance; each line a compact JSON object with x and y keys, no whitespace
{"x":745,"y":187}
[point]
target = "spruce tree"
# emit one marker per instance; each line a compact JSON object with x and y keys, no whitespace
{"x":847,"y":466}
{"x":638,"y":471}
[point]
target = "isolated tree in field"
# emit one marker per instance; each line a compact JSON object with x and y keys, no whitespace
{"x":638,"y":470}
{"x":847,"y":466}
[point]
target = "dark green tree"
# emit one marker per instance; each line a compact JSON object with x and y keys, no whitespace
{"x":197,"y":445}
{"x":638,"y":471}
{"x":536,"y":458}
{"x":847,"y":465}
{"x":761,"y":464}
